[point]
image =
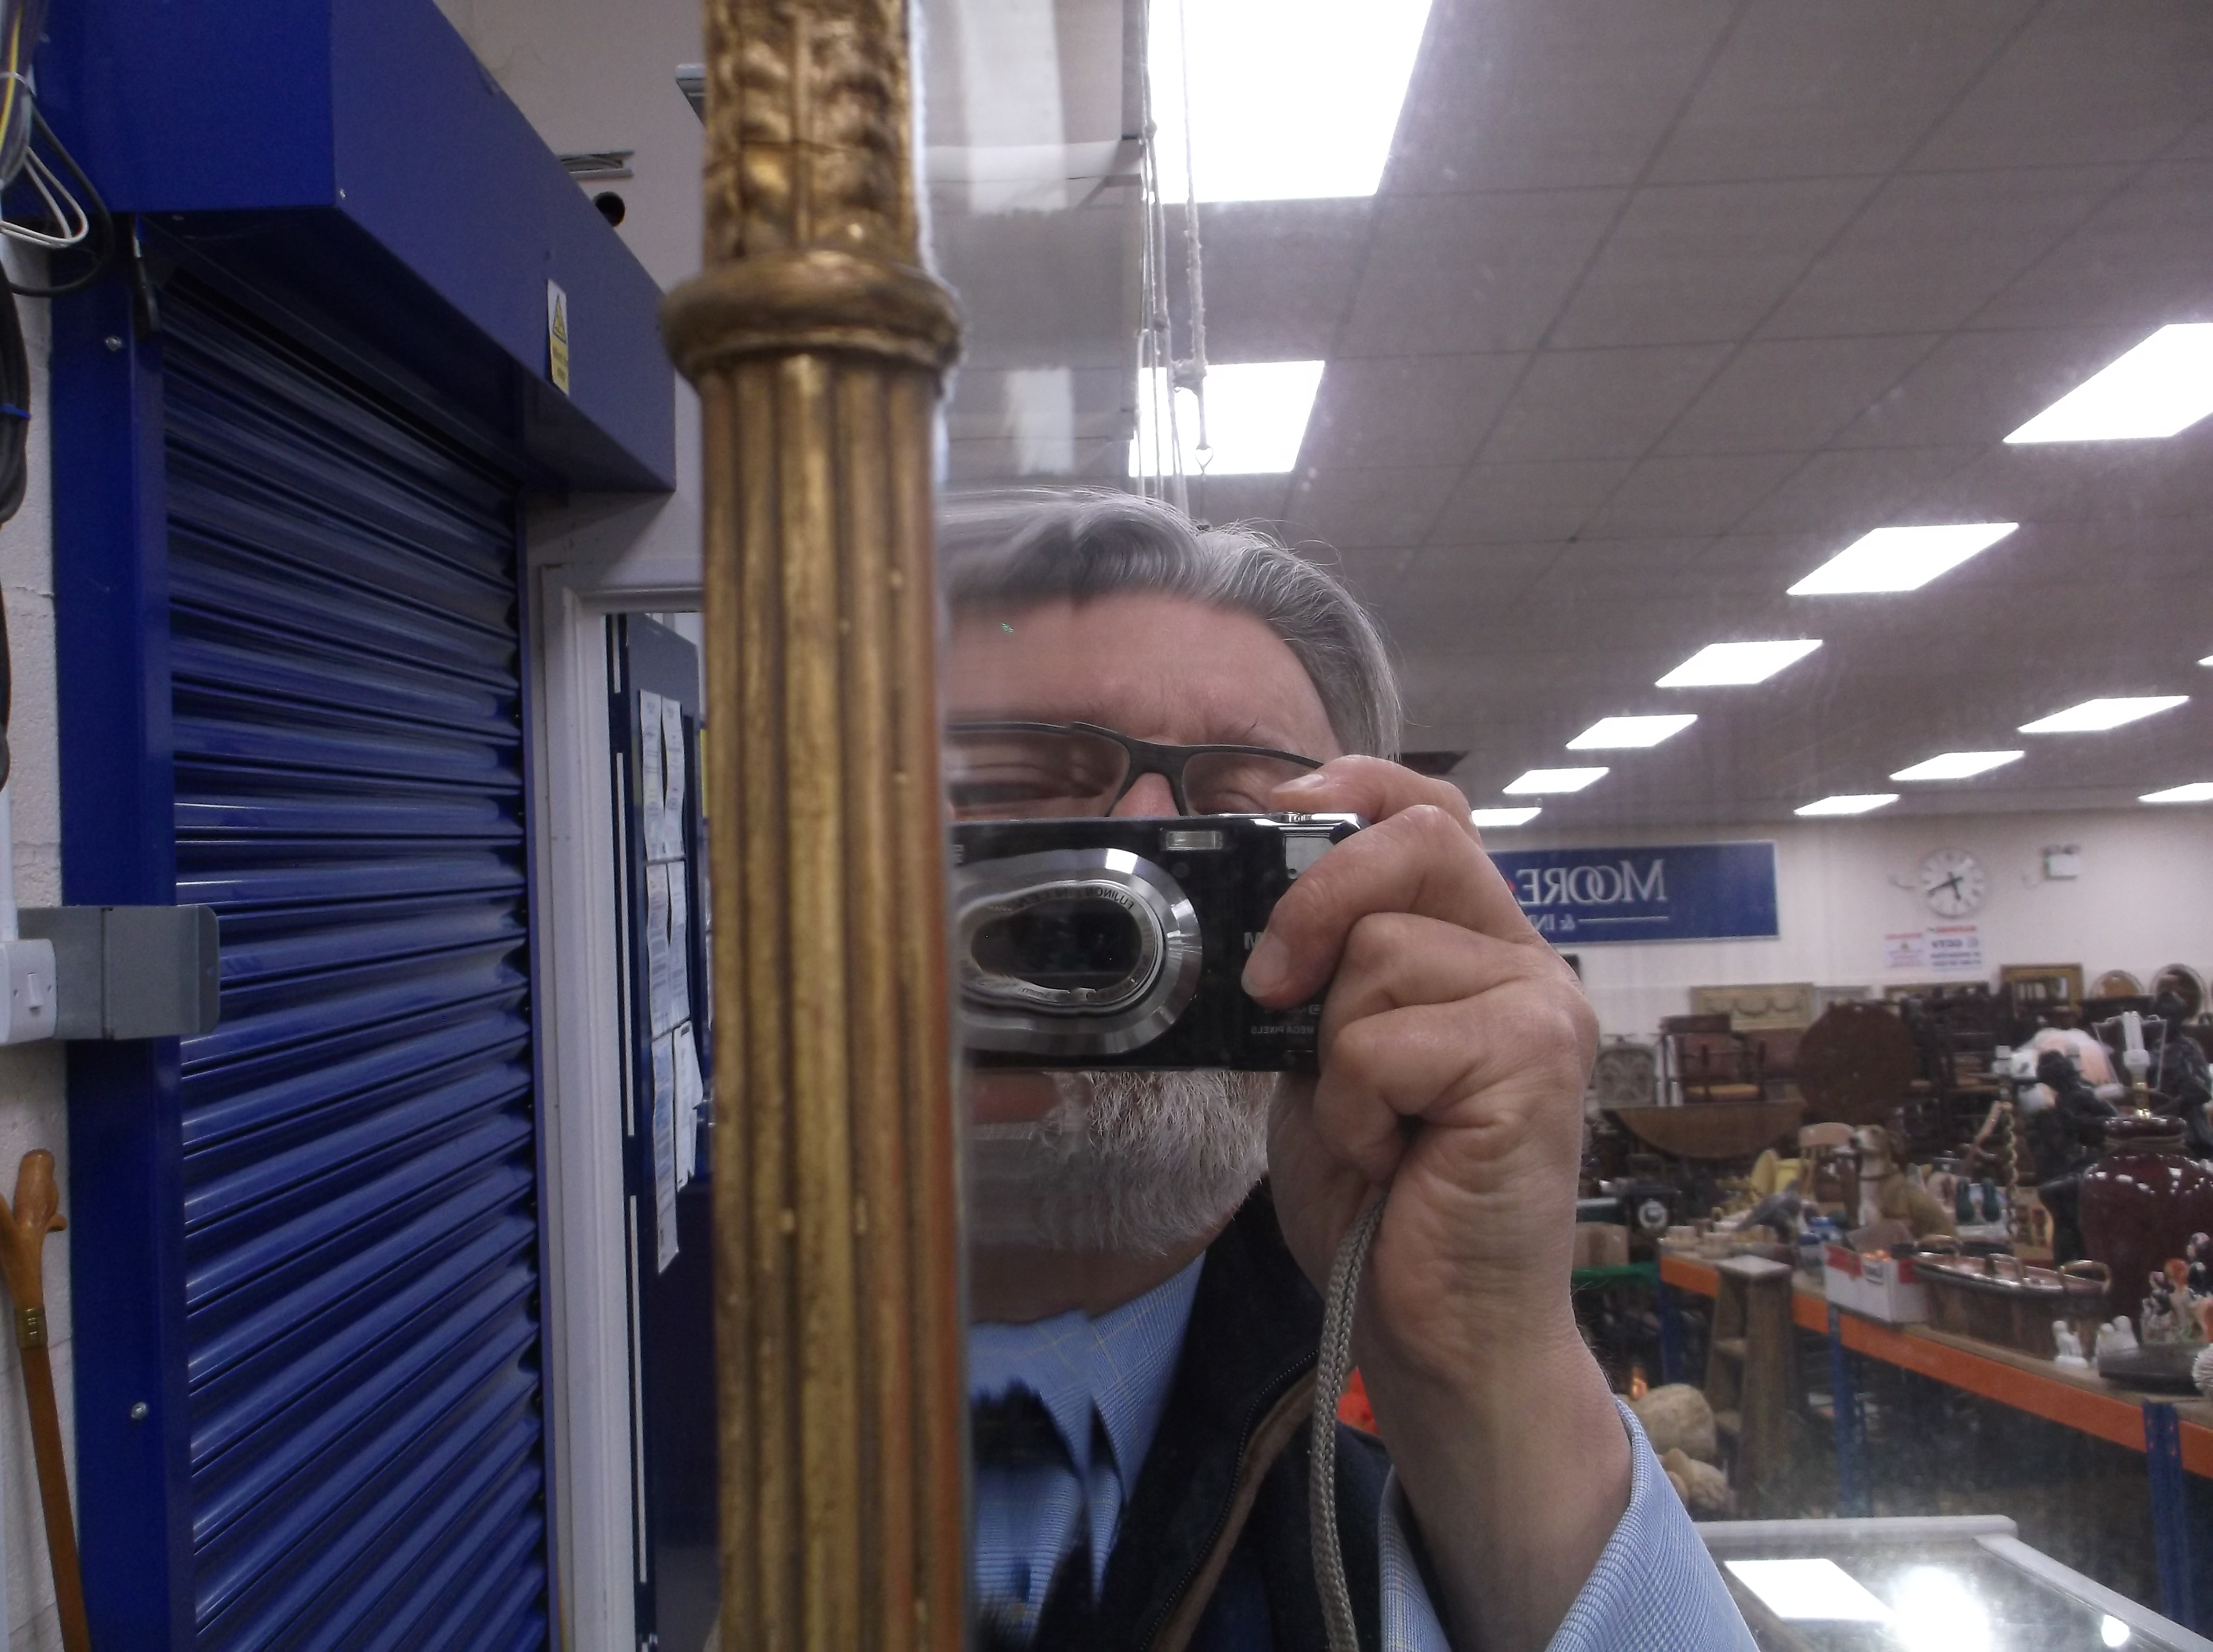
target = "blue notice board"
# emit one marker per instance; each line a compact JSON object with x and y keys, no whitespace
{"x":1667,"y":892}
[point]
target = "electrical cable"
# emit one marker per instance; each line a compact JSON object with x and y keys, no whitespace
{"x":100,"y":239}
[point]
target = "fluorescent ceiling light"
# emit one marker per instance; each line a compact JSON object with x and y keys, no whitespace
{"x":1504,"y":817}
{"x":1901,"y":558}
{"x":1256,"y":420}
{"x":2112,"y":1631}
{"x":1623,"y":733}
{"x":1537,"y":782}
{"x":1815,"y":1591}
{"x":2162,"y":385}
{"x":1847,"y":802}
{"x":1719,"y":663}
{"x":1285,"y":102}
{"x":2207,"y":661}
{"x":2093,"y":715}
{"x":1956,"y":766}
{"x":2197,"y":791}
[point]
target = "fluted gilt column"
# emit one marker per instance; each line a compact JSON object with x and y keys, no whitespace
{"x":817,"y":343}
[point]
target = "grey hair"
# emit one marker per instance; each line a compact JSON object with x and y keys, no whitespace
{"x":1077,"y":546}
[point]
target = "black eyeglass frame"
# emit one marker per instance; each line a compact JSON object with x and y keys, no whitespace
{"x":1146,"y":756}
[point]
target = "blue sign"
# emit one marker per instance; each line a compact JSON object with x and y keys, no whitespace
{"x":1670,"y":892}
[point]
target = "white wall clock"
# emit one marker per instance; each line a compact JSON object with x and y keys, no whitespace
{"x":1953,"y":882}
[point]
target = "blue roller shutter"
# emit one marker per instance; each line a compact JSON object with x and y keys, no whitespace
{"x":360,"y":1154}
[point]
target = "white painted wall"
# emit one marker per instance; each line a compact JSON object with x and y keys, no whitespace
{"x":2144,"y":899}
{"x":33,"y":1106}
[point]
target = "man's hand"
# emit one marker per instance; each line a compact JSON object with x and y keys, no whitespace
{"x":1456,"y":1046}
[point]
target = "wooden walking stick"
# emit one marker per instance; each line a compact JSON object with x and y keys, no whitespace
{"x":23,"y":1233}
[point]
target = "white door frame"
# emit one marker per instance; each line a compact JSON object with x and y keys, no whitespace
{"x":588,"y":560}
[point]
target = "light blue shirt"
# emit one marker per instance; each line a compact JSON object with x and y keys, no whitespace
{"x":1105,"y":1383}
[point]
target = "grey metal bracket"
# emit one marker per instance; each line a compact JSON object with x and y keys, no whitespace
{"x":130,"y":971}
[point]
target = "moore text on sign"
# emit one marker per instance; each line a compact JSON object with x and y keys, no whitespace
{"x":1668,"y":892}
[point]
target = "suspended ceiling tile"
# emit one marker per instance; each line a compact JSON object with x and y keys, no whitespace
{"x":1547,"y":94}
{"x":1472,"y":273}
{"x":1931,"y":250}
{"x":2089,"y":481}
{"x":1238,"y":498}
{"x":2086,"y":80}
{"x":1407,"y":410}
{"x":1279,"y":276}
{"x":1038,"y":289}
{"x":1599,"y":403}
{"x":1373,"y":575}
{"x":1368,"y":505}
{"x":1512,"y":503}
{"x":1701,"y":263}
{"x":1697,"y":493}
{"x":1841,"y":493}
{"x":1806,"y":88}
{"x":1792,"y":395}
{"x":1979,"y":386}
{"x":2140,"y":260}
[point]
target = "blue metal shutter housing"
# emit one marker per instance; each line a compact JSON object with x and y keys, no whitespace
{"x":361,"y":1238}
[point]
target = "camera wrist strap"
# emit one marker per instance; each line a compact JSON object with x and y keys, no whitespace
{"x":1332,"y":1367}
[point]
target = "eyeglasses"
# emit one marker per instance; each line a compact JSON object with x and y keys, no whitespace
{"x":1036,"y":770}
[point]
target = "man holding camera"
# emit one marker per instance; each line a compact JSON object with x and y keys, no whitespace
{"x":1147,"y":1311}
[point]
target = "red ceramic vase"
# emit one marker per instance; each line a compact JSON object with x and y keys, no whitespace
{"x":2142,"y":1201}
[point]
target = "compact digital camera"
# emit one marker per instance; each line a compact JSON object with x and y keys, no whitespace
{"x":1105,"y":943}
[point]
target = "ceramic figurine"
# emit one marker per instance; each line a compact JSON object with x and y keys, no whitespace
{"x":2069,"y":1347}
{"x":2116,"y":1337}
{"x":1886,"y":1193}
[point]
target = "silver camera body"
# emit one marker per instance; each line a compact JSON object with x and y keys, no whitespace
{"x":1120,"y":942}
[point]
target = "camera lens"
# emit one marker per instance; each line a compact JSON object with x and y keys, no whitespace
{"x":1063,"y":944}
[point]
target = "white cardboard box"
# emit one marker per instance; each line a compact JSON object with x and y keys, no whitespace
{"x":1880,"y":1288}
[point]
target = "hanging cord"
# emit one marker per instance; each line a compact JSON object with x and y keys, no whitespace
{"x":99,"y":239}
{"x":1190,"y":372}
{"x":1332,"y":1367}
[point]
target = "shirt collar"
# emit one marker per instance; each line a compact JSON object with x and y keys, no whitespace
{"x":1120,"y":1363}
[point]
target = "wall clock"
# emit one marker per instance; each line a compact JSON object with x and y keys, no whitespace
{"x":1953,"y":882}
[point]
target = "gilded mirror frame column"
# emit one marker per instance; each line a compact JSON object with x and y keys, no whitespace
{"x":817,"y":344}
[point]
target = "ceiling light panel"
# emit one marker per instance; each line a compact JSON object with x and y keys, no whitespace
{"x":2197,"y":791}
{"x":1284,"y":102}
{"x":2093,"y":715}
{"x":2163,"y":385}
{"x":1901,"y":558}
{"x":1848,"y":802}
{"x":1256,"y":420}
{"x":1538,"y":782}
{"x":1718,"y":664}
{"x":1628,"y":733}
{"x":1504,"y":817}
{"x":1956,"y":766}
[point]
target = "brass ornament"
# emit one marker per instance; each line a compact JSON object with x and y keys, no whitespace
{"x":816,"y":343}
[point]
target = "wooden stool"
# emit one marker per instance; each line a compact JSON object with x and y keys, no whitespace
{"x":1752,"y":1375}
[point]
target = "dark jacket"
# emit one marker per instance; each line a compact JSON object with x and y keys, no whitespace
{"x":1212,"y":1552}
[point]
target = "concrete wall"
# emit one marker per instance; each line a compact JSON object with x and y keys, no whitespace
{"x":2144,"y":899}
{"x":32,"y":1112}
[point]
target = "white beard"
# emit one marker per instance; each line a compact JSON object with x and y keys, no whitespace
{"x":1131,"y":1163}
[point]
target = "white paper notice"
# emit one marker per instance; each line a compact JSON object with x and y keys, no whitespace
{"x":672,"y":767}
{"x":690,"y":1092}
{"x":664,"y":1149}
{"x":1909,"y":949}
{"x":679,"y":945}
{"x":660,"y":1000}
{"x":1956,"y":949}
{"x":650,"y":779}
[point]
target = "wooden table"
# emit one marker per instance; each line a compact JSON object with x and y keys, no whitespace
{"x":2175,"y":1435}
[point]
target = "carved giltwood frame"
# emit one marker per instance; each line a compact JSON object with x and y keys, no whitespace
{"x":817,"y":343}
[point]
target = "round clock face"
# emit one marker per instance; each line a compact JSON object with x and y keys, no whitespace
{"x":1952,"y":883}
